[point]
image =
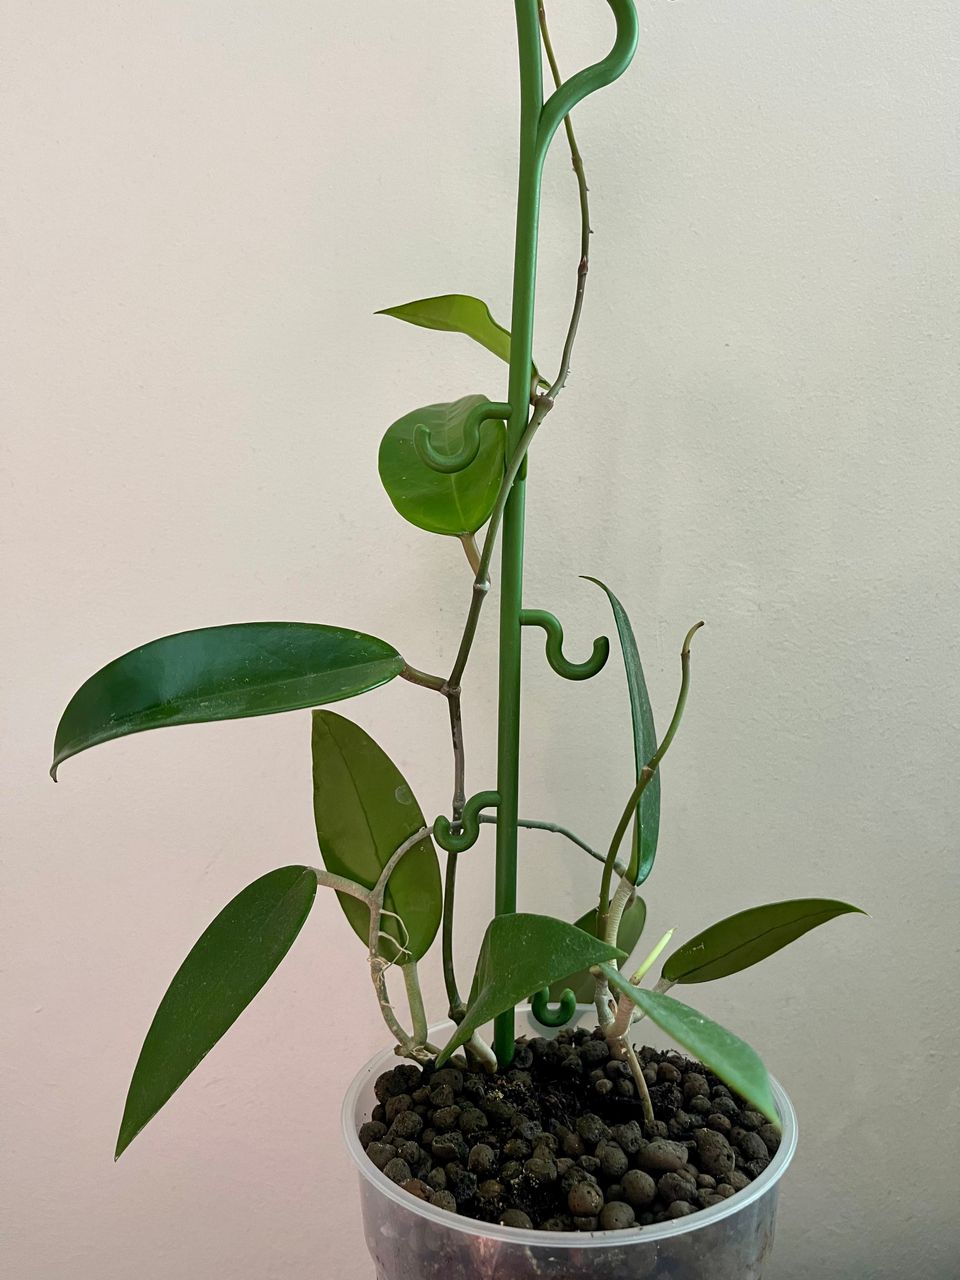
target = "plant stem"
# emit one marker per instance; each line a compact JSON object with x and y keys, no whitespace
{"x":437,"y":683}
{"x":585,"y":231}
{"x":459,"y":762}
{"x":602,"y":1000}
{"x":418,"y":1013}
{"x":378,"y":970}
{"x":415,"y":1045}
{"x":625,"y":1006}
{"x":621,"y":898}
{"x":340,"y":884}
{"x":480,"y":1052}
{"x":646,"y":773}
{"x":380,"y":888}
{"x":481,"y":586}
{"x":472,"y":551}
{"x":637,"y":1072}
{"x":662,"y":987}
{"x":533,"y":824}
{"x":456,"y":1008}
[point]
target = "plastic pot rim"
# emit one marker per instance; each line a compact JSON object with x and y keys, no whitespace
{"x":702,"y":1218}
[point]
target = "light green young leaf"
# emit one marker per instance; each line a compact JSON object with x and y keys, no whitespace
{"x":748,"y":937}
{"x":522,"y":953}
{"x":647,"y":826}
{"x":229,"y":964}
{"x":222,"y":673}
{"x":454,"y":503}
{"x":458,"y":313}
{"x":364,"y":811}
{"x":720,"y":1051}
{"x":582,"y":984}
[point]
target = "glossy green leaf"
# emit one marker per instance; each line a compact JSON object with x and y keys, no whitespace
{"x":455,"y":503}
{"x":720,"y":1051}
{"x":222,"y":673}
{"x":644,"y":744}
{"x":458,"y":313}
{"x":364,"y":811}
{"x":232,"y":960}
{"x":749,"y":937}
{"x":519,"y":954}
{"x":582,"y":984}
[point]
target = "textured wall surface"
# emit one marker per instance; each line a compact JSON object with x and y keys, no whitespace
{"x":204,"y":203}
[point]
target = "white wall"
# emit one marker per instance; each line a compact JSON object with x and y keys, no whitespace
{"x":204,"y":204}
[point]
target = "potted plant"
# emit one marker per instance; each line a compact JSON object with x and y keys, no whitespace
{"x":567,"y":1150}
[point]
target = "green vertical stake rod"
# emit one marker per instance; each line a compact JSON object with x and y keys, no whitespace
{"x":539,"y":122}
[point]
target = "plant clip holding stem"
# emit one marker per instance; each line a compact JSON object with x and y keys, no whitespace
{"x":459,"y":841}
{"x":561,"y":665}
{"x":539,"y":122}
{"x":449,"y":463}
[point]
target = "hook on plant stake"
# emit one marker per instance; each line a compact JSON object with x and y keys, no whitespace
{"x":459,"y":841}
{"x":563,"y":666}
{"x":449,"y":463}
{"x":547,"y":1017}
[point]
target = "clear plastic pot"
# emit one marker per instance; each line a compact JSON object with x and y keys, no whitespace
{"x":411,"y":1240}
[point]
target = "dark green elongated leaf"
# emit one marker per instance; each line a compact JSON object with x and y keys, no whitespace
{"x":582,"y":984}
{"x":222,"y":673}
{"x":644,"y":744}
{"x":364,"y":811}
{"x":229,"y":964}
{"x":723,"y":1053}
{"x":455,"y":503}
{"x":458,"y":313}
{"x":749,"y":937}
{"x":519,"y":954}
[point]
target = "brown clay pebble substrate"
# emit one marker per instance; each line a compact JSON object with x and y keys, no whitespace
{"x":558,"y":1141}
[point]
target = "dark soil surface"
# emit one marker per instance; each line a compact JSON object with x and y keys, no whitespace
{"x":558,"y":1141}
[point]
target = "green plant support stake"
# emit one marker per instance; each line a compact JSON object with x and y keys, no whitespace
{"x":539,"y":122}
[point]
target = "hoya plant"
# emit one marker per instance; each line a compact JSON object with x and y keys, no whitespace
{"x":455,"y":470}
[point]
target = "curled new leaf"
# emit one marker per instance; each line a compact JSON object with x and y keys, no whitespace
{"x":521,"y":953}
{"x":229,"y":964}
{"x":364,"y":811}
{"x":723,"y":1053}
{"x":748,"y":937}
{"x":222,"y":673}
